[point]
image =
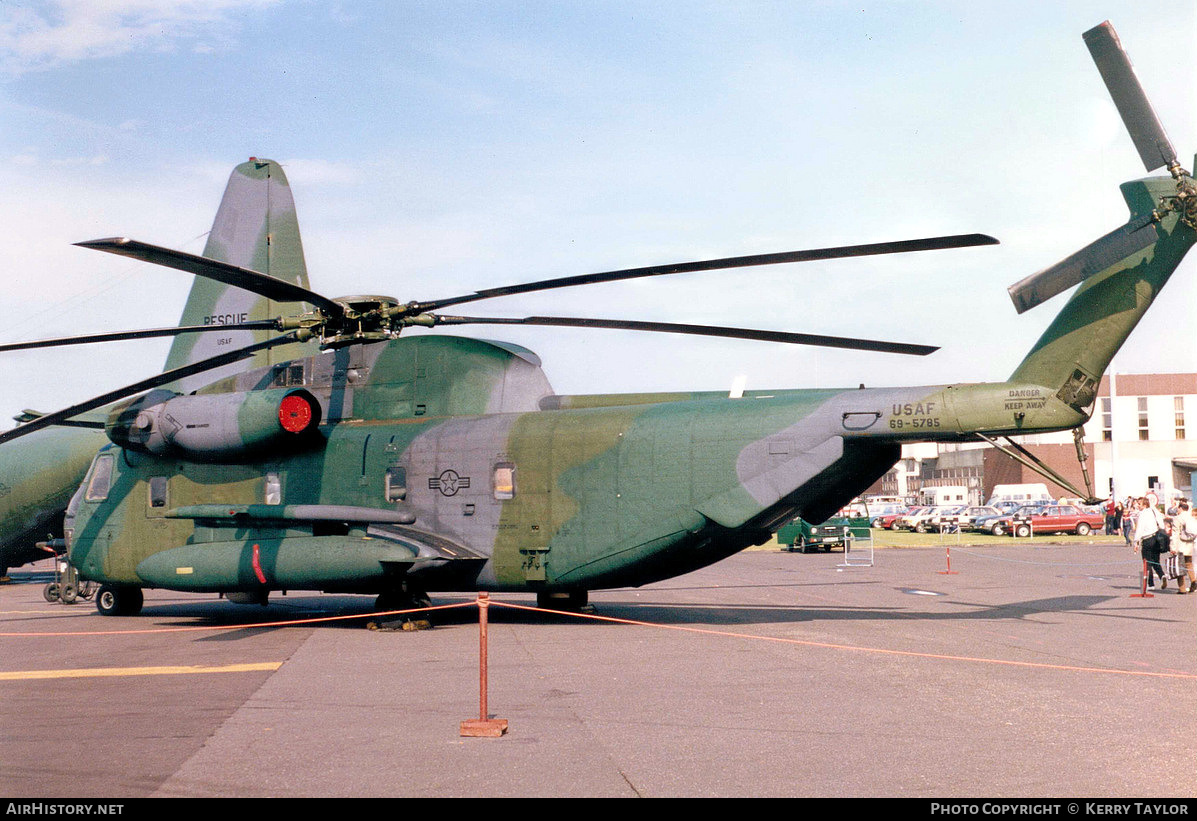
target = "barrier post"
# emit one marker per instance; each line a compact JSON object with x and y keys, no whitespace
{"x":1143,"y":594}
{"x":949,"y":571}
{"x":484,"y":726}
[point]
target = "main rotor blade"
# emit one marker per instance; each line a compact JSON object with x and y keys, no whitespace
{"x":145,"y":385}
{"x":697,"y":330}
{"x":1155,"y":149}
{"x":262,"y":284}
{"x":873,"y":249}
{"x":117,"y":336}
{"x":1094,"y":257}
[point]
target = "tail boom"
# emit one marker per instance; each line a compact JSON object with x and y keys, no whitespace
{"x":1073,"y":353}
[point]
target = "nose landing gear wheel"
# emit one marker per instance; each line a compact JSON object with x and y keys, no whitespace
{"x":114,"y":600}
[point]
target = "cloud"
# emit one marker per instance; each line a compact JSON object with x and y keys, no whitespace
{"x":57,"y":32}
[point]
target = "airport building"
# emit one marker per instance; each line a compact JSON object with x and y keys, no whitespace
{"x":1142,"y":438}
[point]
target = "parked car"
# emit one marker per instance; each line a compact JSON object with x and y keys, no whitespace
{"x":999,"y":524}
{"x":943,"y":516}
{"x":803,"y":536}
{"x":1050,"y":519}
{"x":878,"y":514}
{"x":966,"y":516}
{"x":926,"y":518}
{"x":890,"y":520}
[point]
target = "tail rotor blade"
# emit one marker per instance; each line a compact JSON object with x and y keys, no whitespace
{"x":1094,"y":257}
{"x":1138,"y":116}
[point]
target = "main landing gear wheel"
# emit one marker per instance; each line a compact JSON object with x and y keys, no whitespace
{"x":409,"y":600}
{"x":401,"y":600}
{"x":562,"y":599}
{"x":115,"y":600}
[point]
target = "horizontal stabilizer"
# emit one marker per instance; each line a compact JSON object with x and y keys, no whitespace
{"x":1093,"y":258}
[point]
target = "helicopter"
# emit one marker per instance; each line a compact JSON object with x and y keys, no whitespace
{"x":398,"y":466}
{"x":41,"y":471}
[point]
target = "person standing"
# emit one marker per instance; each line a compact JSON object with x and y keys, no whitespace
{"x":1184,"y":534}
{"x":1148,"y":529}
{"x":1130,"y":512}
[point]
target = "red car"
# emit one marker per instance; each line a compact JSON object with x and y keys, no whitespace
{"x":1049,"y":519}
{"x":890,"y":522}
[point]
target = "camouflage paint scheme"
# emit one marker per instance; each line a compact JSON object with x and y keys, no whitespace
{"x":445,"y":463}
{"x":255,"y":226}
{"x":37,"y":478}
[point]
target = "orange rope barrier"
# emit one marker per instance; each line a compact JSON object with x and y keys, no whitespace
{"x":249,"y":625}
{"x":630,"y":622}
{"x":829,"y":646}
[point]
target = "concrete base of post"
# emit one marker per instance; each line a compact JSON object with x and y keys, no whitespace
{"x":483,"y":727}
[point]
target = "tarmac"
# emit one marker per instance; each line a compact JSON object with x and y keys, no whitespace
{"x":1031,"y":671}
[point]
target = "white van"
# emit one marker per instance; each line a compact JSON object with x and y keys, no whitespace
{"x":1023,"y":494}
{"x":949,"y":495}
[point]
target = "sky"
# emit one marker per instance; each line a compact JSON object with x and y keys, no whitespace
{"x":436,"y":148}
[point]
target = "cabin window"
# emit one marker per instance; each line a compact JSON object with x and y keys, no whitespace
{"x":504,"y":481}
{"x":396,"y":484}
{"x":101,"y":478}
{"x":274,"y":489}
{"x":158,"y":486}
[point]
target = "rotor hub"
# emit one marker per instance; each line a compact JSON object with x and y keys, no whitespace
{"x":366,"y":318}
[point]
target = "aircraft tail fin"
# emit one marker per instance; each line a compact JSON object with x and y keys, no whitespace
{"x":1121,"y":273}
{"x":255,"y":227}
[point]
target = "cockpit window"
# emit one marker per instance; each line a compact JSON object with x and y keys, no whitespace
{"x":101,"y":478}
